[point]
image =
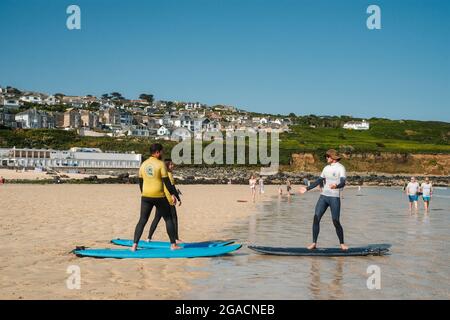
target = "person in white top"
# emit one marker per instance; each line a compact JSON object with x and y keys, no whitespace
{"x":333,"y":179}
{"x":261,"y":185}
{"x":252,"y":183}
{"x":427,"y":191}
{"x":412,"y":190}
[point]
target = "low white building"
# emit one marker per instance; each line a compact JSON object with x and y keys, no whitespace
{"x":357,"y":125}
{"x":73,"y":158}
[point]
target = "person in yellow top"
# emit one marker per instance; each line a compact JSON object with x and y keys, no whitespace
{"x":152,"y":179}
{"x":173,"y":210}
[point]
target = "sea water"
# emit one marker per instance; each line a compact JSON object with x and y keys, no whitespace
{"x":418,"y":266}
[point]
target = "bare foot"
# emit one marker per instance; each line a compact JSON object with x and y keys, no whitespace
{"x":174,"y":246}
{"x":179,"y":241}
{"x":344,"y":247}
{"x":134,"y":247}
{"x":312,"y":246}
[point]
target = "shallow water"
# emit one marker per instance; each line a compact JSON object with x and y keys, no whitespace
{"x":418,"y":266}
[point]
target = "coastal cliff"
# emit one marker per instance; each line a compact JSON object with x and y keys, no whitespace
{"x":391,"y":163}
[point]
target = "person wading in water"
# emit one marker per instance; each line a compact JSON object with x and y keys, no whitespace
{"x":333,"y":180}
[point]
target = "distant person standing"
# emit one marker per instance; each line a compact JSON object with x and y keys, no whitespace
{"x":261,"y":185}
{"x":427,"y":191}
{"x":280,"y":190}
{"x":412,"y":190}
{"x":288,"y":187}
{"x":2,"y":180}
{"x":252,"y":183}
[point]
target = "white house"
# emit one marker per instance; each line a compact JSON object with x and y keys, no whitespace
{"x":156,"y":121}
{"x":200,"y":124}
{"x":176,"y":122}
{"x":162,"y":131}
{"x":192,"y":106}
{"x":276,"y":121}
{"x":28,"y":119}
{"x":180,"y":134}
{"x":11,"y":103}
{"x":139,"y":131}
{"x":213,"y":126}
{"x":31,"y":98}
{"x":51,"y":100}
{"x":187,"y":122}
{"x":357,"y":125}
{"x":33,"y":119}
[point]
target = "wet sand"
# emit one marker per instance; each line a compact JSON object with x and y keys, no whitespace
{"x":41,"y":224}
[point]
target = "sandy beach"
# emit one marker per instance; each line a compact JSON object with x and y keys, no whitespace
{"x":41,"y":224}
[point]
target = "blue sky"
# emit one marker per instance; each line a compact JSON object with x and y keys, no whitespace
{"x":276,"y":56}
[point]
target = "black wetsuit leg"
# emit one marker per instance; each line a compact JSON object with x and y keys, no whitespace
{"x":147,"y":205}
{"x":157,"y":218}
{"x":154,"y":224}
{"x":321,"y":207}
{"x":173,"y":211}
{"x":162,"y":205}
{"x":335,"y":206}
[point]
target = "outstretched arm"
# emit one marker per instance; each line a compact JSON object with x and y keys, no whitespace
{"x":316,"y":183}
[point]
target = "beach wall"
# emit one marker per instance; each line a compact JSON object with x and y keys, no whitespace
{"x":392,"y":163}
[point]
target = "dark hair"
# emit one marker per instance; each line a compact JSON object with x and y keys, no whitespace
{"x":155,"y":147}
{"x":167,"y":161}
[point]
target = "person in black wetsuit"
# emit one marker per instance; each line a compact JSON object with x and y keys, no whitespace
{"x":173,"y":210}
{"x":332,"y":179}
{"x":152,"y":179}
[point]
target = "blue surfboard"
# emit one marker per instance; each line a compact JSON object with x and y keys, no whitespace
{"x":162,"y":244}
{"x":156,"y":253}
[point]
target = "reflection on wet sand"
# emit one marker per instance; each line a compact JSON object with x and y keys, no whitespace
{"x":322,"y":289}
